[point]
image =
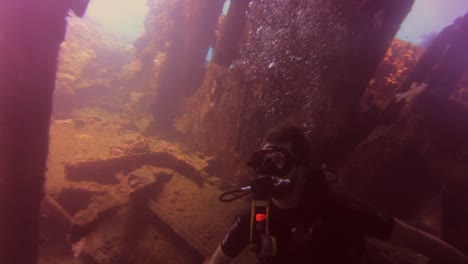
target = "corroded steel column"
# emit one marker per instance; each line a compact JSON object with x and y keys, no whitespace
{"x":173,"y":51}
{"x":233,"y":27}
{"x":30,"y":35}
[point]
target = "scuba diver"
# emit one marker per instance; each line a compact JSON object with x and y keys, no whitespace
{"x":296,"y":217}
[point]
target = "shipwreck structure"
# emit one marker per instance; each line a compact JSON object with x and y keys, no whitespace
{"x":391,"y":117}
{"x":31,"y":36}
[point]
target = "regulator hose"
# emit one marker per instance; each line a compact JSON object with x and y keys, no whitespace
{"x":243,"y":192}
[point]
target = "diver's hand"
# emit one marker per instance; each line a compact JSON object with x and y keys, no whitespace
{"x":267,"y":246}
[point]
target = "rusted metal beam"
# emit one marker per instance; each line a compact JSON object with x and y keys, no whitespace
{"x":103,"y":171}
{"x":30,"y":36}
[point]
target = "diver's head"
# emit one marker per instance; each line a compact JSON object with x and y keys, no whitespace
{"x":292,"y":138}
{"x":285,"y":157}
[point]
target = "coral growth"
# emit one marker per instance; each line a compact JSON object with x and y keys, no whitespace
{"x":400,"y":59}
{"x":461,"y":91}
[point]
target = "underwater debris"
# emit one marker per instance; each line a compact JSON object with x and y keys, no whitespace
{"x":104,"y":170}
{"x":64,"y":122}
{"x":129,"y":146}
{"x":78,"y":246}
{"x":135,"y":184}
{"x":83,"y":136}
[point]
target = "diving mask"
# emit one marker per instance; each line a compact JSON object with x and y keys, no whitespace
{"x":272,"y":161}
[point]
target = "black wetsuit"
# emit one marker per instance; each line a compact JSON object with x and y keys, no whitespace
{"x":330,"y":230}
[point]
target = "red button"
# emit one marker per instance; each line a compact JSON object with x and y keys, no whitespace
{"x":260,"y":217}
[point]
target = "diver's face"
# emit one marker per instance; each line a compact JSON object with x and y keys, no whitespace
{"x":286,"y":146}
{"x":294,"y":175}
